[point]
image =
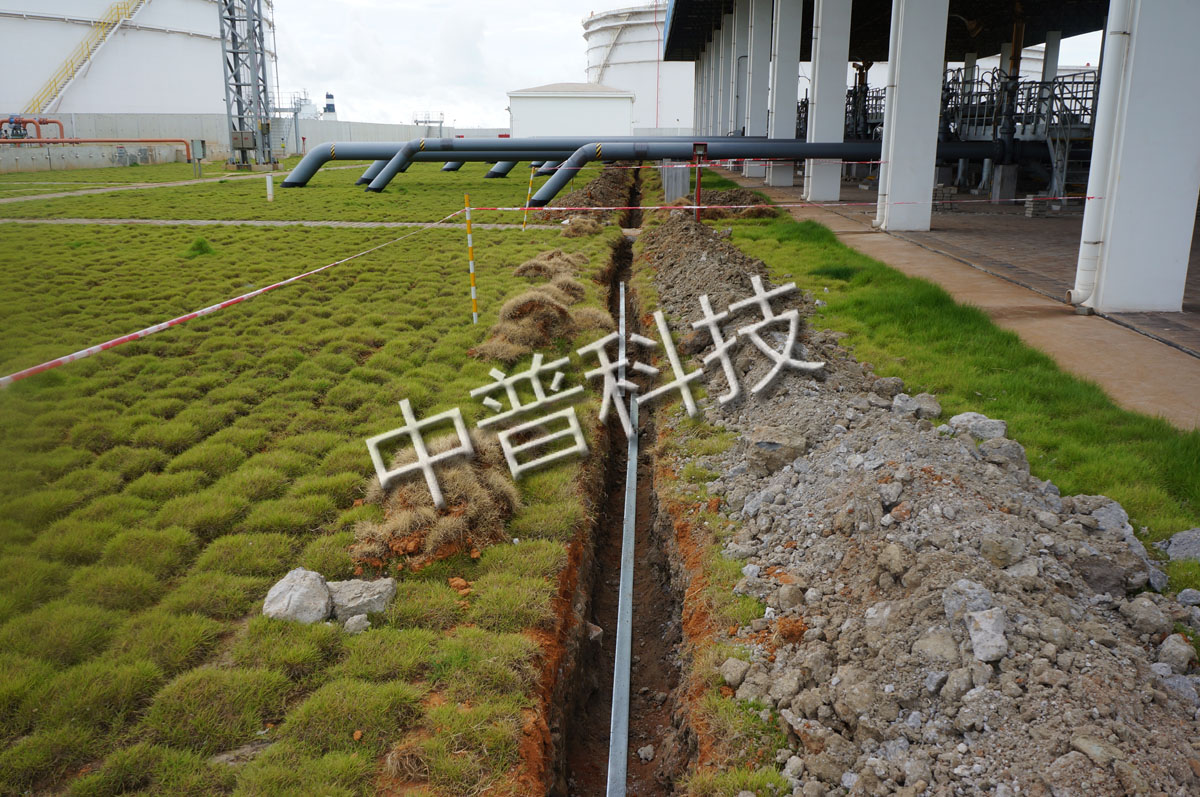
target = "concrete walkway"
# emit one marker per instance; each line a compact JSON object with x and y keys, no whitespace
{"x":1138,"y":372}
{"x":354,"y":225}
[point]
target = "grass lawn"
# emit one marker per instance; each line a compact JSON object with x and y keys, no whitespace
{"x":155,"y":492}
{"x":423,"y":193}
{"x":32,"y":183}
{"x":1073,"y":433}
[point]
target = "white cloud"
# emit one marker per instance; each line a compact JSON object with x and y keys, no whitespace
{"x":387,"y":61}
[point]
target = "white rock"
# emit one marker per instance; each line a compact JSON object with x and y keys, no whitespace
{"x":301,"y":595}
{"x":646,"y":753}
{"x":1177,"y":653}
{"x":357,"y":624}
{"x":987,"y":634}
{"x":361,"y":597}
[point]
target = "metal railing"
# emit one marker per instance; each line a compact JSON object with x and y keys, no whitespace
{"x":117,"y":13}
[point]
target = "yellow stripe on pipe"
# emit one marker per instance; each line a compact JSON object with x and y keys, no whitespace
{"x":332,"y":152}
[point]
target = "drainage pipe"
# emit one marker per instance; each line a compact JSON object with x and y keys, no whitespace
{"x":501,"y":169}
{"x":737,"y":149}
{"x":187,"y":147}
{"x":372,"y":170}
{"x":448,"y":166}
{"x":1108,"y":110}
{"x":548,"y":168}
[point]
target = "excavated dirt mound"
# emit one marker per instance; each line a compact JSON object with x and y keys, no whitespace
{"x":939,"y":621}
{"x":480,"y":497}
{"x":690,"y":259}
{"x":734,"y":196}
{"x":610,"y":188}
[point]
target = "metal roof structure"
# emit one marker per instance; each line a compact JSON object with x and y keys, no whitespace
{"x":976,"y":26}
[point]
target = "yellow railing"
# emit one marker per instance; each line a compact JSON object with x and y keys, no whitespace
{"x":116,"y":13}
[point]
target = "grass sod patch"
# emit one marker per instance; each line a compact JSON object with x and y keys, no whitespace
{"x":472,"y":663}
{"x":329,"y":555}
{"x":287,"y":768}
{"x":209,"y":710}
{"x":508,"y":602}
{"x":387,"y":654}
{"x":249,"y":554}
{"x":264,"y":378}
{"x":469,"y":746}
{"x":1073,"y":433}
{"x":353,"y":716}
{"x":298,"y":651}
{"x":98,"y":694}
{"x":424,"y":604}
{"x":173,"y":642}
{"x":120,"y":587}
{"x":61,"y":633}
{"x":45,"y":756}
{"x":148,"y":768}
{"x":28,"y":581}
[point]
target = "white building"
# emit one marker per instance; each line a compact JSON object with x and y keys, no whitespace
{"x":135,"y":56}
{"x":624,"y":49}
{"x":571,"y":109}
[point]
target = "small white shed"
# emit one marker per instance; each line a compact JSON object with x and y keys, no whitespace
{"x":571,"y":109}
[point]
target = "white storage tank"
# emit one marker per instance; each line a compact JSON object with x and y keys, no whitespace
{"x":131,"y":56}
{"x":624,"y":49}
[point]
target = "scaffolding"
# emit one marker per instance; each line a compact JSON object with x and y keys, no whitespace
{"x":247,"y":83}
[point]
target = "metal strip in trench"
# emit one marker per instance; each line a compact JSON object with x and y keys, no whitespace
{"x":618,"y":735}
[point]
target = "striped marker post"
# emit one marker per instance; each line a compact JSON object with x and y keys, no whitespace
{"x":528,"y":196}
{"x":471,"y":260}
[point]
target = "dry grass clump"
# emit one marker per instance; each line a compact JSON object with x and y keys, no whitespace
{"x":551,"y":264}
{"x":479,"y":495}
{"x":579,"y":226}
{"x":536,"y":318}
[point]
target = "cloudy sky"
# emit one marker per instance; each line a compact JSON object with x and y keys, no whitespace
{"x":391,"y":60}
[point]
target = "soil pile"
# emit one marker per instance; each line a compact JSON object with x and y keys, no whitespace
{"x":734,"y":196}
{"x":608,"y":189}
{"x":963,"y":627}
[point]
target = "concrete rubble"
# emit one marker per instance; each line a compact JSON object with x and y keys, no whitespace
{"x":970,"y":630}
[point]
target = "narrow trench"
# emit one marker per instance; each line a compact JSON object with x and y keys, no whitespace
{"x":656,"y":623}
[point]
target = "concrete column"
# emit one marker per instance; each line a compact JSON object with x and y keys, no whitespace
{"x":827,"y":101}
{"x":785,"y":79}
{"x":727,"y":66}
{"x":740,"y":71}
{"x":1050,"y":63}
{"x":1005,"y":57}
{"x":969,"y":70}
{"x":710,"y":84}
{"x":914,"y":90}
{"x":757,"y":78}
{"x":697,"y":89}
{"x":1137,"y":231}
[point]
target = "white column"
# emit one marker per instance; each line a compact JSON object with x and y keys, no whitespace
{"x":969,"y":70}
{"x":741,"y":48}
{"x":914,"y":90}
{"x":710,"y":84}
{"x":785,"y":79}
{"x":724,"y":81}
{"x":1137,"y":230}
{"x":827,"y":101}
{"x":1005,"y":57}
{"x":697,"y":79}
{"x":1050,"y":61}
{"x":757,"y":78}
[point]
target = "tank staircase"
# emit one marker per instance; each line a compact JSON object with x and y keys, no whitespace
{"x":101,"y":31}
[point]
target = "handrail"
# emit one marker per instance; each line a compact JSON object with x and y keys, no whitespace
{"x":117,"y":13}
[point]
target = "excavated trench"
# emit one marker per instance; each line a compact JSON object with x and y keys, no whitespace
{"x":583,"y":754}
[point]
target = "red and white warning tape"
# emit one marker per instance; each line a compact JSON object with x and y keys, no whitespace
{"x":5,"y":381}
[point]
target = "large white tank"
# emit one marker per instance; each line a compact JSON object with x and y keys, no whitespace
{"x":163,"y":57}
{"x":624,"y":48}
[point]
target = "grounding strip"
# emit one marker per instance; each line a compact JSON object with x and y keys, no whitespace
{"x":5,"y":381}
{"x":618,"y":734}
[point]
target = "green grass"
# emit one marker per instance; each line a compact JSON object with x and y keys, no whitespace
{"x":209,"y":710}
{"x":1073,"y":433}
{"x":155,"y":769}
{"x":155,"y":491}
{"x":250,"y":555}
{"x":331,"y":718}
{"x":298,"y":651}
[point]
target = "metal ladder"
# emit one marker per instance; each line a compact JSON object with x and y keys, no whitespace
{"x":81,"y":56}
